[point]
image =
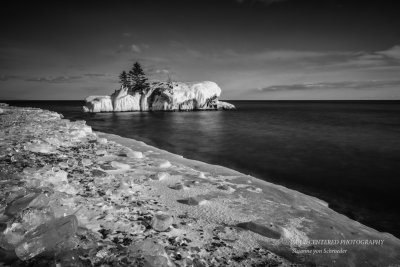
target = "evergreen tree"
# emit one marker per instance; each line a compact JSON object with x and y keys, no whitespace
{"x":137,"y":79}
{"x":170,"y":83}
{"x":123,"y":79}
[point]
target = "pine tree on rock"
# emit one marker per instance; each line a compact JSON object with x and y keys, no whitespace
{"x":137,"y":79}
{"x":123,"y":79}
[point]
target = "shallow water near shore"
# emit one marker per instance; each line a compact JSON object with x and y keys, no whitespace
{"x":346,"y":153}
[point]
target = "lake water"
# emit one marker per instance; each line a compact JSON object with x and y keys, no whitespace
{"x":344,"y":152}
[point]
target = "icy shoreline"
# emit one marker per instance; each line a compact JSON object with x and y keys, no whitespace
{"x":137,"y":204}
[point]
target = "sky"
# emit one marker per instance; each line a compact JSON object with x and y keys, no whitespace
{"x":253,"y":49}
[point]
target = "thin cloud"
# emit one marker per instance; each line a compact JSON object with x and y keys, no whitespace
{"x":162,"y":71}
{"x":126,"y":34}
{"x":136,"y":48}
{"x":4,"y":78}
{"x":393,"y":52}
{"x":359,"y":85}
{"x":94,"y":74}
{"x":55,"y":79}
{"x":126,"y":49}
{"x":368,"y":60}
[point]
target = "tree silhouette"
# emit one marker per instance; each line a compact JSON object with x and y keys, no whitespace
{"x":137,"y":79}
{"x":170,"y":83}
{"x":123,"y":79}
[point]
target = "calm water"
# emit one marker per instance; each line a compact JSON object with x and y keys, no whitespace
{"x":346,"y":153}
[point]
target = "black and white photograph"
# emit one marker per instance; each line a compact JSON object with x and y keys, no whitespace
{"x":200,"y":133}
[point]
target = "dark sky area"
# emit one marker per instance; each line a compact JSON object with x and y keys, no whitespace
{"x":254,"y":49}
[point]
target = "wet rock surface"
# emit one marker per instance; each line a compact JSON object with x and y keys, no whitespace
{"x":72,"y":197}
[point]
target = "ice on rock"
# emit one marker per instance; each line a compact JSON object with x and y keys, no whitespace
{"x":68,"y":258}
{"x":12,"y":235}
{"x":122,"y":101}
{"x":52,"y":178}
{"x":161,"y":96}
{"x":225,"y":105}
{"x":254,"y":189}
{"x":98,"y":173}
{"x":161,"y":222}
{"x":226,"y":187}
{"x":56,"y":141}
{"x":156,"y":261}
{"x":32,"y":218}
{"x":58,"y":177}
{"x":41,"y":148}
{"x":72,"y":162}
{"x":127,"y":152}
{"x":135,"y":154}
{"x":63,"y":165}
{"x":101,"y":152}
{"x":86,"y":162}
{"x":78,"y":134}
{"x":98,"y":104}
{"x":102,"y":141}
{"x":164,"y":164}
{"x":187,"y":96}
{"x":178,"y":186}
{"x":35,"y":200}
{"x":120,"y":165}
{"x":153,"y":253}
{"x":160,"y":176}
{"x":46,"y":237}
{"x":193,"y":201}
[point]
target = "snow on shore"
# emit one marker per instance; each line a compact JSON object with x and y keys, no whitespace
{"x":77,"y":197}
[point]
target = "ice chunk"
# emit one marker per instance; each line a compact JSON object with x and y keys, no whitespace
{"x":12,"y":235}
{"x":160,"y":176}
{"x":153,"y":253}
{"x":102,"y":141}
{"x":35,"y":200}
{"x":135,"y":154}
{"x":120,"y":165}
{"x":178,"y":186}
{"x":193,"y":201}
{"x":32,"y":218}
{"x":164,"y":164}
{"x":161,"y":222}
{"x":86,"y":162}
{"x":41,"y":148}
{"x":46,"y":237}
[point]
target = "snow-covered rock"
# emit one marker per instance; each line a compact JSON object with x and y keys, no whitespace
{"x":225,"y":105}
{"x":126,"y":102}
{"x":98,"y":104}
{"x":161,"y":96}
